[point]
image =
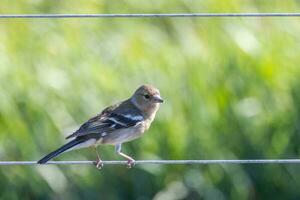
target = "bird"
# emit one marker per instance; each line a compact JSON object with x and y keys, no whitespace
{"x":119,"y":123}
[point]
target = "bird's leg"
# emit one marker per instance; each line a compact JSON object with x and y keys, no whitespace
{"x":130,"y":161}
{"x":98,"y":163}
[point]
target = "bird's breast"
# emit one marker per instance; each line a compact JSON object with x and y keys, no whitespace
{"x":126,"y":134}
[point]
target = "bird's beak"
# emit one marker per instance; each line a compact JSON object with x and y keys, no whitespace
{"x":158,"y":99}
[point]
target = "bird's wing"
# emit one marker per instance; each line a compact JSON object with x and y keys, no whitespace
{"x":108,"y":121}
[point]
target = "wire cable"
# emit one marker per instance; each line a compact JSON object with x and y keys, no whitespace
{"x":150,"y":15}
{"x":161,"y":162}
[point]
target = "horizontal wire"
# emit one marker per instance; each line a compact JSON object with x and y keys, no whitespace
{"x":150,"y":15}
{"x":162,"y":162}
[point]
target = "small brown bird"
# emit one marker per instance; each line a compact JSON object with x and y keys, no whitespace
{"x":116,"y":124}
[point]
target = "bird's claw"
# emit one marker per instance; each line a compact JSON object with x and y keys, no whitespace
{"x":130,"y":163}
{"x":99,"y":163}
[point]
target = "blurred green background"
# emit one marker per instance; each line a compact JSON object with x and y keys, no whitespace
{"x":231,"y":86}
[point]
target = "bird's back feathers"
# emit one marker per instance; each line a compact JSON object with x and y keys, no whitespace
{"x":110,"y":119}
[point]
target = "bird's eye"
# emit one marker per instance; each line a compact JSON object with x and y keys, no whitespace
{"x":147,"y":96}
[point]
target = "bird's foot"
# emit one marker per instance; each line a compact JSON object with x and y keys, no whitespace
{"x":99,"y":163}
{"x":130,"y":163}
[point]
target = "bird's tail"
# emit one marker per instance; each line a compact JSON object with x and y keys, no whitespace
{"x":60,"y":150}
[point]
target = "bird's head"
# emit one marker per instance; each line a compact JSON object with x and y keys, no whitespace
{"x":147,"y":97}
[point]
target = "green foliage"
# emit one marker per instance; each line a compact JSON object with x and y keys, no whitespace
{"x":231,"y":87}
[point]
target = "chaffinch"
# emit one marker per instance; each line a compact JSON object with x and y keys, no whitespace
{"x":116,"y":124}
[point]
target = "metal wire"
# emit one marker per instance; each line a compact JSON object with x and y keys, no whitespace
{"x":151,"y":15}
{"x":162,"y":162}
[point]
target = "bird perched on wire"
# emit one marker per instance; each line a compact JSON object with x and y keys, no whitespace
{"x":115,"y":125}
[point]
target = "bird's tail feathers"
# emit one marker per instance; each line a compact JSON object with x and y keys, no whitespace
{"x":59,"y":151}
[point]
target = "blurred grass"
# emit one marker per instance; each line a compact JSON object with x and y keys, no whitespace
{"x":231,"y":88}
